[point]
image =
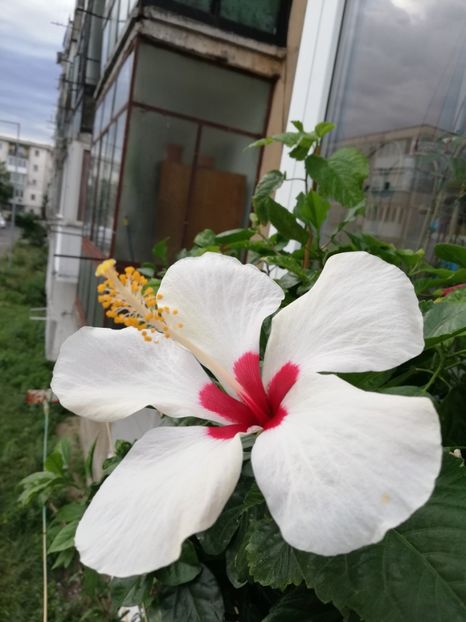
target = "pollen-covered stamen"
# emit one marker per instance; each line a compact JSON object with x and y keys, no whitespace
{"x":128,"y":300}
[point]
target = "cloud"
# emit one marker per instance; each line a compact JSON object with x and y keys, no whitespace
{"x":29,"y":42}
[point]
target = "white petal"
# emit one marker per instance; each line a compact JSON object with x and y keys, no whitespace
{"x":173,"y":483}
{"x":106,"y":374}
{"x":345,"y":465}
{"x":361,"y":315}
{"x":221,"y":304}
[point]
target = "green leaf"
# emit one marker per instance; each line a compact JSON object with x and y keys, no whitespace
{"x":205,"y":238}
{"x":302,"y":606}
{"x":453,"y":417}
{"x":287,"y":263}
{"x":197,"y":601}
{"x":129,"y":591}
{"x":185,"y":569}
{"x":323,"y":128}
{"x":236,"y":555}
{"x":64,"y":558}
{"x":298,"y":125}
{"x":64,"y":538}
{"x":261,"y":199}
{"x":416,"y":573}
{"x":70,"y":512}
{"x":54,"y":463}
{"x":408,"y":390}
{"x":215,"y":539}
{"x":234,"y":235}
{"x":270,"y":182}
{"x":444,"y":320}
{"x":89,"y":463}
{"x":160,"y":251}
{"x":285,"y":222}
{"x":341,"y":176}
{"x":368,"y":380}
{"x":453,"y":253}
{"x":312,"y":209}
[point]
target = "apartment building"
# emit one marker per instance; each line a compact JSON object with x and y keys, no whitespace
{"x":30,"y":167}
{"x":157,"y":102}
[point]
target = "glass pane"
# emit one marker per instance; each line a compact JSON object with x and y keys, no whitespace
{"x":123,"y":83}
{"x":93,"y":171}
{"x":155,"y":186}
{"x":398,"y":94}
{"x":107,"y":218}
{"x":102,"y":234}
{"x":223,"y":184}
{"x":260,"y":14}
{"x":108,"y":106}
{"x":200,"y":5}
{"x":183,"y":84}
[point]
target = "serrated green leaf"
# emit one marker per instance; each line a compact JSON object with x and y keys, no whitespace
{"x":185,"y":569}
{"x":234,"y":235}
{"x":298,"y":125}
{"x":205,"y":238}
{"x":285,"y":223}
{"x":64,"y":538}
{"x":236,"y":555}
{"x":129,"y":591}
{"x":312,"y":209}
{"x":453,"y":253}
{"x":70,"y":512}
{"x":341,"y":176}
{"x":408,"y":390}
{"x":262,"y":142}
{"x":302,"y":606}
{"x":64,"y":558}
{"x":323,"y":128}
{"x":197,"y":601}
{"x":443,"y":321}
{"x":54,"y":463}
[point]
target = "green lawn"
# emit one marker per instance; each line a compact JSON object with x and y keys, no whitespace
{"x":22,"y":366}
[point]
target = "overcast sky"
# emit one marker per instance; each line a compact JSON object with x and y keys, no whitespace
{"x":28,"y":71}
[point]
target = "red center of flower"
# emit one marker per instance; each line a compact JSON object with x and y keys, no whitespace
{"x":256,"y":406}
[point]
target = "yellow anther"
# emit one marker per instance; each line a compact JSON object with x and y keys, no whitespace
{"x":180,"y":325}
{"x":175,"y":311}
{"x":159,"y":296}
{"x":129,"y":270}
{"x":104,"y":267}
{"x":101,"y":288}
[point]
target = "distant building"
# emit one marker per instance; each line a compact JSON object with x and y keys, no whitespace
{"x":30,"y":167}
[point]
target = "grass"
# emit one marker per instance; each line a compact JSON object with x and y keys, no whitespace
{"x":22,"y":367}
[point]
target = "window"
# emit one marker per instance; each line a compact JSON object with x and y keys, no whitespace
{"x":35,"y":168}
{"x":33,"y":197}
{"x":33,"y":182}
{"x":37,"y":153}
{"x":403,"y":104}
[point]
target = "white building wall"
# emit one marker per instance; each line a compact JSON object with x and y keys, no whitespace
{"x":35,"y":172}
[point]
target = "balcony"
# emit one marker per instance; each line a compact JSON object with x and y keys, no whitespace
{"x":262,"y":20}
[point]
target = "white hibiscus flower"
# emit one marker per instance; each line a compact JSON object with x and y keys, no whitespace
{"x":338,"y":466}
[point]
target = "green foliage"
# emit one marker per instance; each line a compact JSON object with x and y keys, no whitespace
{"x":6,"y":188}
{"x":33,"y":231}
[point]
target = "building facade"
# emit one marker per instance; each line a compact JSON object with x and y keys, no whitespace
{"x":30,"y":167}
{"x":158,"y":101}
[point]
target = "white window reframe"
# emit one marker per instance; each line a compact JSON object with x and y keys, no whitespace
{"x":313,"y":77}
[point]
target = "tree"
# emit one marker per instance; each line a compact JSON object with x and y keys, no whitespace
{"x":6,"y":187}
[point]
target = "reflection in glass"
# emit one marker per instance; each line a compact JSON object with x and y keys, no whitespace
{"x":260,"y":14}
{"x":201,"y":90}
{"x":398,"y":94}
{"x":123,"y":82}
